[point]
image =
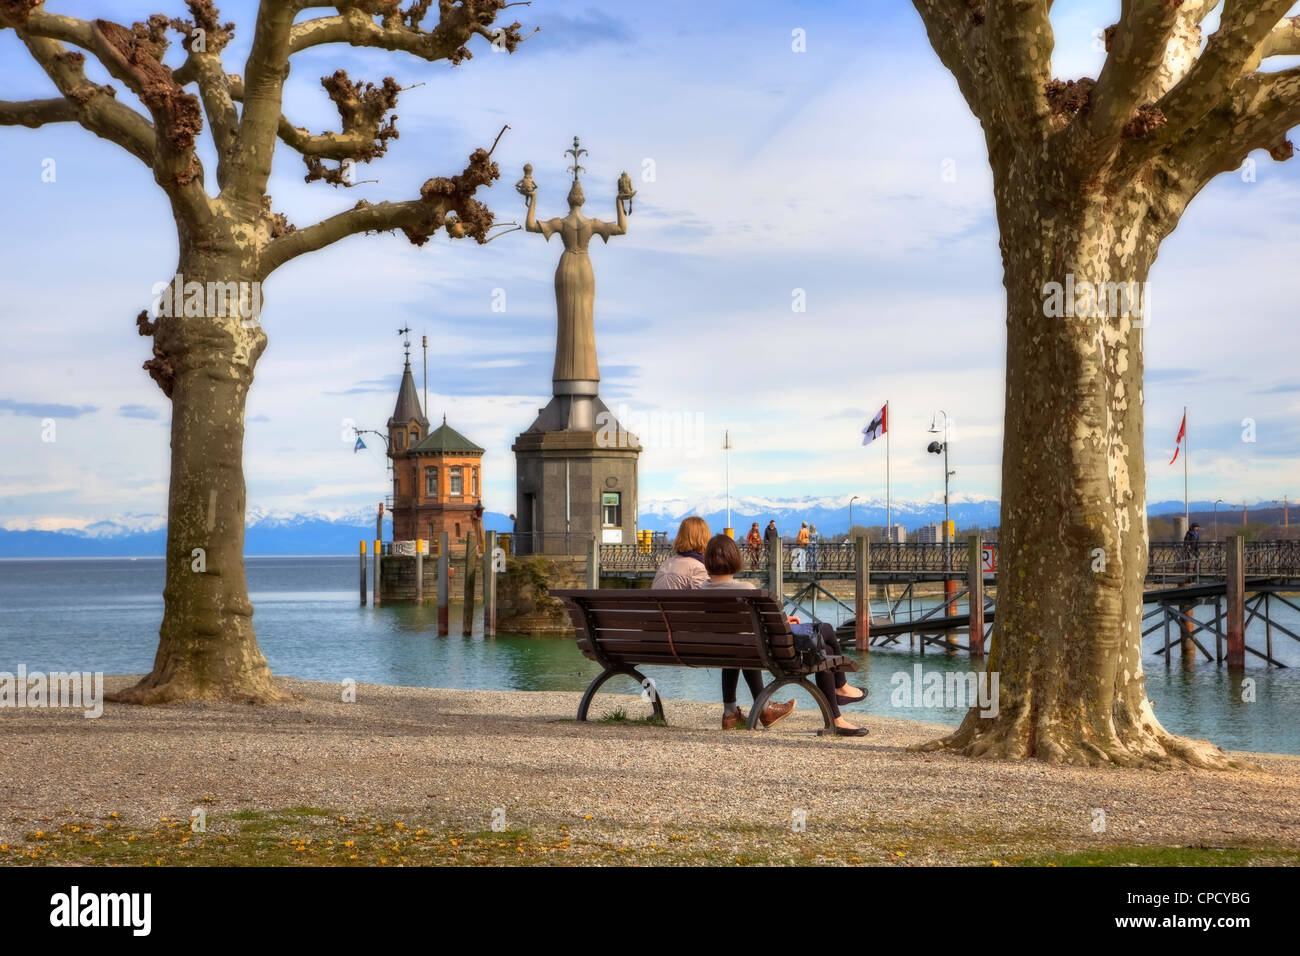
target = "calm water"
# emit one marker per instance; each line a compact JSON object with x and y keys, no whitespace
{"x":103,"y":615}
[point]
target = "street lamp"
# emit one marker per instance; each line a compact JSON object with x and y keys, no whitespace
{"x":936,"y":448}
{"x":1217,"y":502}
{"x":851,"y":500}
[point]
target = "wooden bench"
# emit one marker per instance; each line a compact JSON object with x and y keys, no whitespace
{"x":620,"y":629}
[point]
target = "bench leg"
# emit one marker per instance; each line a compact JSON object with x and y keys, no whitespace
{"x":766,"y":693}
{"x":605,"y":675}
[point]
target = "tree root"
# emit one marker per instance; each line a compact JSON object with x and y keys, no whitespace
{"x":152,"y":690}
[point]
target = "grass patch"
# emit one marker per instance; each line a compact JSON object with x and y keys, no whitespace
{"x":316,"y":836}
{"x":619,"y":716}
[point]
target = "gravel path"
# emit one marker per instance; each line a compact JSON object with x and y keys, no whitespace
{"x":451,"y":757}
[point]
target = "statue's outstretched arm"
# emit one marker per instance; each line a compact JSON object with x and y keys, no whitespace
{"x":546,"y":227}
{"x":606,"y":229}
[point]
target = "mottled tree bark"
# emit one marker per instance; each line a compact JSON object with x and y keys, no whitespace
{"x":1089,"y":178}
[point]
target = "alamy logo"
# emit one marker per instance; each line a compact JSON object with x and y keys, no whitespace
{"x":945,"y":689}
{"x":213,"y":300}
{"x":1097,"y":300}
{"x":103,"y":909}
{"x":79,"y":689}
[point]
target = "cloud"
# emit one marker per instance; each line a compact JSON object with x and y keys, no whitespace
{"x":560,"y":32}
{"x":46,"y":409}
{"x":138,"y":411}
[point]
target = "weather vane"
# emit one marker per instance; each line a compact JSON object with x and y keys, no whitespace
{"x":406,"y":342}
{"x":577,"y":152}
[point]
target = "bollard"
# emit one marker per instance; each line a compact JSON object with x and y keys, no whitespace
{"x":375,"y":589}
{"x":1235,"y":603}
{"x":862,"y":593}
{"x":489,"y":587}
{"x":444,"y":592}
{"x":975,"y":585}
{"x":363,"y":572}
{"x":471,"y":568}
{"x":593,"y":564}
{"x":419,"y":571}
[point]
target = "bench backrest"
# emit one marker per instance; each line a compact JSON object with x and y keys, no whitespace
{"x":697,"y":628}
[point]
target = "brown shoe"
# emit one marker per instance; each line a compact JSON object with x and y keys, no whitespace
{"x":733,"y":720}
{"x":773,"y":713}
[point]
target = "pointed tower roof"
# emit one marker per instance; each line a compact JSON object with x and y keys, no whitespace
{"x":408,"y":402}
{"x":446,"y":440}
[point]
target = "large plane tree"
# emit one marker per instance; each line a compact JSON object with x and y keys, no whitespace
{"x":1090,"y":176}
{"x":231,"y":239}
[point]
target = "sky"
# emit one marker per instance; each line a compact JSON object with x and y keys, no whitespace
{"x":849,"y":172}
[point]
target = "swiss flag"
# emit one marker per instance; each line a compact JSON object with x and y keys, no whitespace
{"x":1178,"y":442}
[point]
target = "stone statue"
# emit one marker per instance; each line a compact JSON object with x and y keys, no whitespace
{"x":575,"y":372}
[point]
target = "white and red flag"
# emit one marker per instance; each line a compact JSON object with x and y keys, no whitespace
{"x":1178,"y":442}
{"x":877,"y":427}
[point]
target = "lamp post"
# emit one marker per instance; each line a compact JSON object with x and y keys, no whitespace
{"x":726,"y":456}
{"x":851,"y":500}
{"x":1217,"y":502}
{"x":936,"y":448}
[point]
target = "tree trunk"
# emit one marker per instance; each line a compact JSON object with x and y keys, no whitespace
{"x":207,"y":648}
{"x":1073,"y":541}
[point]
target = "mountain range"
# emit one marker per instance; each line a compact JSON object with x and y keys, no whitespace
{"x":269,"y":533}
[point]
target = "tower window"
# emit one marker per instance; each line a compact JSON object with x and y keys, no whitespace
{"x":397,"y":440}
{"x":415,"y":437}
{"x":457,"y":481}
{"x":431,"y":481}
{"x":474,"y":486}
{"x":611,"y":509}
{"x":397,"y":486}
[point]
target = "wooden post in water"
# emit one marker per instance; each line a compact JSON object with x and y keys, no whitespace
{"x":775,"y":570}
{"x":593,"y":563}
{"x":950,"y":610}
{"x":1235,"y":603}
{"x":489,"y":586}
{"x":862,"y":593}
{"x":379,"y":546}
{"x":471,"y":570}
{"x":363,"y":572}
{"x":419,"y":571}
{"x":975,"y":586}
{"x":1186,"y":629}
{"x":444,"y":592}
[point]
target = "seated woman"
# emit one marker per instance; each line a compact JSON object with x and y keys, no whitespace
{"x":685,"y":570}
{"x":722,"y":560}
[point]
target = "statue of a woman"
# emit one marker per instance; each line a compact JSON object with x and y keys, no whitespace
{"x":575,"y":288}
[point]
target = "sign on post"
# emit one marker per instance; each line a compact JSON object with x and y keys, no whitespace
{"x":989,"y":558}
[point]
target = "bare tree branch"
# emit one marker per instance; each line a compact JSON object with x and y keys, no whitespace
{"x":1283,"y":39}
{"x":1137,"y":52}
{"x":440,"y":198}
{"x":1020,"y":55}
{"x":34,"y":113}
{"x":401,"y":31}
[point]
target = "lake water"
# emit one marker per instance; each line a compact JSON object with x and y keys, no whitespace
{"x":103,"y":615}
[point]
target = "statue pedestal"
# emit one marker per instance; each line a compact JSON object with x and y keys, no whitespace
{"x":573,"y":483}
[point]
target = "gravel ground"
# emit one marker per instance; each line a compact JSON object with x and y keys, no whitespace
{"x":451,"y":757}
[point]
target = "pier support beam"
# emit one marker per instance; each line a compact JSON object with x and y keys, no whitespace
{"x":379,"y":547}
{"x":862,"y":593}
{"x":444,"y":591}
{"x":489,"y":586}
{"x":363,"y":572}
{"x":471,"y":568}
{"x":419,"y":571}
{"x":975,"y":586}
{"x":1235,"y":603}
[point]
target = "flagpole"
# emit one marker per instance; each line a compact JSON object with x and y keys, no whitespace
{"x":889,"y":531}
{"x":1187,"y":445}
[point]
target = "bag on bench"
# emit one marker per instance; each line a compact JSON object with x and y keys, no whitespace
{"x":809,"y":643}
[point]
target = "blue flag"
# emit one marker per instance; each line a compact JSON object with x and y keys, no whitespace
{"x":358,"y":446}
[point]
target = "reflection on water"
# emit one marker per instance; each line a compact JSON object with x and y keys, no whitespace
{"x":103,"y":615}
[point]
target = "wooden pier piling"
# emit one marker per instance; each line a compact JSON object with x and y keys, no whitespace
{"x":489,"y":586}
{"x":444,"y":591}
{"x":862,"y":594}
{"x":471,"y":568}
{"x":419,"y":571}
{"x":1235,"y":603}
{"x":379,"y":547}
{"x":363,"y":572}
{"x":975,"y":585}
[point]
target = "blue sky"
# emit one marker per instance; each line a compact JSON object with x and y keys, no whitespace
{"x":774,"y":171}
